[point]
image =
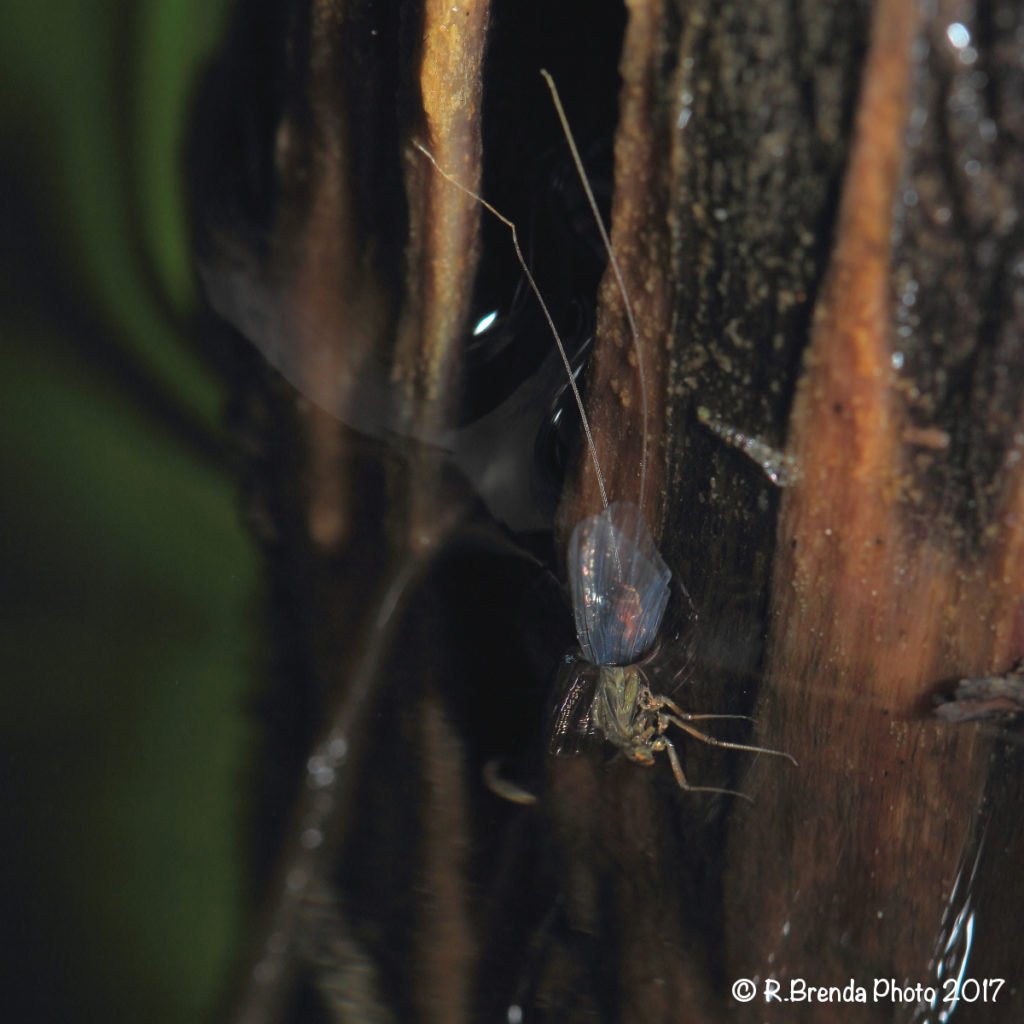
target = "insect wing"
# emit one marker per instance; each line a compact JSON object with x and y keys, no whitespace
{"x":571,"y":718}
{"x":619,"y":585}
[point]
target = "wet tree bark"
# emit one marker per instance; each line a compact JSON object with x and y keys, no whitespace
{"x":816,"y":210}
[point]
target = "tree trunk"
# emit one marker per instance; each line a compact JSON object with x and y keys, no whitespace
{"x":815,"y":209}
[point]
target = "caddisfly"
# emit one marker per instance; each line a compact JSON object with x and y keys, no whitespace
{"x":618,"y":581}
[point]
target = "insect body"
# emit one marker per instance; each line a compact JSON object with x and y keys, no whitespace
{"x":618,"y":581}
{"x":635,"y":720}
{"x":619,"y":585}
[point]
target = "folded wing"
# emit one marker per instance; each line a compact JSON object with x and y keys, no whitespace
{"x":619,"y":585}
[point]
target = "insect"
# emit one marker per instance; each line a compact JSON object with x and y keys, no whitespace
{"x":618,"y":580}
{"x":619,"y":585}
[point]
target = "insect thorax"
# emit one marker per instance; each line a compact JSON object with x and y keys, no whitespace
{"x":619,"y":710}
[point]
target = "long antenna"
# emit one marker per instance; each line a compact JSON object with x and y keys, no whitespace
{"x":638,"y":348}
{"x":543,"y":305}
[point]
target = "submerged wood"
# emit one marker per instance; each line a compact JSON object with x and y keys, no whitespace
{"x":897,"y":562}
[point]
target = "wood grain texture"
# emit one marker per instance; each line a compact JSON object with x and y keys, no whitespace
{"x":816,"y":209}
{"x":885,"y":582}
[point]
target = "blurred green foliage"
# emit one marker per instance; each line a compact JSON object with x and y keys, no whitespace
{"x":129,"y":587}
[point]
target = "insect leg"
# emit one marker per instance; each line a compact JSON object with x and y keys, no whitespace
{"x":677,"y":771}
{"x":658,"y":701}
{"x":713,"y":742}
{"x":702,"y":718}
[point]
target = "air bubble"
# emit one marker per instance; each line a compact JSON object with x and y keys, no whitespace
{"x":485,"y":323}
